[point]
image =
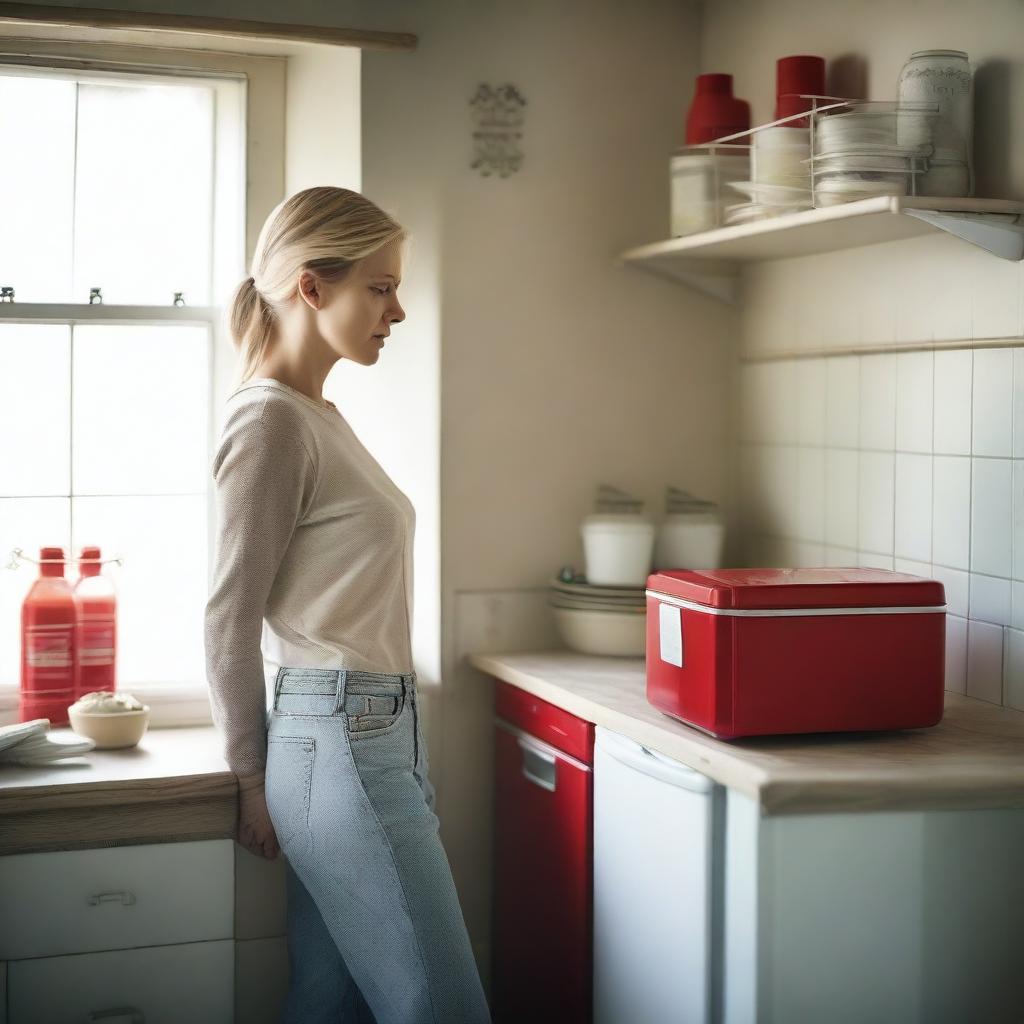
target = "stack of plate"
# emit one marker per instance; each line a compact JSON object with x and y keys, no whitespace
{"x":600,"y":620}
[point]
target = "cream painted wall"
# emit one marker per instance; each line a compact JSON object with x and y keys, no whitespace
{"x":557,"y":370}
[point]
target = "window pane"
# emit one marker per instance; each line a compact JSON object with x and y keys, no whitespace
{"x":141,"y":410}
{"x":37,"y":124}
{"x":35,"y":413}
{"x":144,"y":192}
{"x":30,"y":524}
{"x":161,"y":588}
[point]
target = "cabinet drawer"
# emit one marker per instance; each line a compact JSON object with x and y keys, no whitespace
{"x":84,"y":900}
{"x":158,"y":985}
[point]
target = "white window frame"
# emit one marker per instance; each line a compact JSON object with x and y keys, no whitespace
{"x":249,"y":93}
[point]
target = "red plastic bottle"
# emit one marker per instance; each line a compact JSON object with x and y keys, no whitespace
{"x":715,"y":112}
{"x":47,"y":643}
{"x":95,"y":626}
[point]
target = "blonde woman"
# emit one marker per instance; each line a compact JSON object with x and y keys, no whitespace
{"x":312,"y":595}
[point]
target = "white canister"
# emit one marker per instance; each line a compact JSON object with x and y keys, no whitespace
{"x":943,"y":78}
{"x":690,"y":540}
{"x":617,"y":548}
{"x":779,"y":157}
{"x":699,"y":180}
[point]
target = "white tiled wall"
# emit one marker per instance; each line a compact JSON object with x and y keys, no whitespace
{"x":911,"y":461}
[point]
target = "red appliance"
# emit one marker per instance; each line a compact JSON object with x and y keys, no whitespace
{"x":543,"y":861}
{"x":748,"y":652}
{"x":715,"y":112}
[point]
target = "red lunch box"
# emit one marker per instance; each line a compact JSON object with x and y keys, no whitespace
{"x":751,"y":652}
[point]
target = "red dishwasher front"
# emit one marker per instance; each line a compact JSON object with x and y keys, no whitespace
{"x":543,"y":861}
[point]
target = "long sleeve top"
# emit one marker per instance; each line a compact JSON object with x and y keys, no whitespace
{"x":313,"y":559}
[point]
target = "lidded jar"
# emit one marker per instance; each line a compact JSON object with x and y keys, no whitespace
{"x":618,"y":540}
{"x":692,"y":534}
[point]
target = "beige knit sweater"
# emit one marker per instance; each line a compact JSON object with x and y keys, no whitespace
{"x":313,"y":559}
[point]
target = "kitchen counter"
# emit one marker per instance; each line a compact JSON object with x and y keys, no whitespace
{"x":974,"y":758}
{"x":172,"y":787}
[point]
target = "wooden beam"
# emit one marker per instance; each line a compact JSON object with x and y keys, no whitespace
{"x":94,"y":17}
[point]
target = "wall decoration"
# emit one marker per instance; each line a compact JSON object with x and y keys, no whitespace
{"x":498,"y":116}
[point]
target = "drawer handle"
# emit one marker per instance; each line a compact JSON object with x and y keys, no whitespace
{"x":538,"y":766}
{"x":131,"y":1015}
{"x":125,"y":898}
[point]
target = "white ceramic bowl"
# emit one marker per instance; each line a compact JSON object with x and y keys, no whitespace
{"x":110,"y":730}
{"x":619,"y":634}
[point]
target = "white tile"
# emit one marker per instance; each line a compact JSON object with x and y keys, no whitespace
{"x":838,"y":557}
{"x":914,"y":393}
{"x":992,"y":430}
{"x":991,"y":516}
{"x":914,"y":507}
{"x":985,"y":661}
{"x":1017,"y":540}
{"x":810,"y":510}
{"x":995,"y":308}
{"x":952,"y":401}
{"x":878,"y":402}
{"x":873,"y":560}
{"x":956,"y":654}
{"x":912,"y":568}
{"x":807,"y":556}
{"x":751,"y":403}
{"x":779,"y":468}
{"x":1018,"y":403}
{"x":1013,"y":677}
{"x":842,"y":402}
{"x":1016,"y":604}
{"x":875,"y":509}
{"x":810,"y":401}
{"x":951,"y":511}
{"x":956,"y":584}
{"x":990,"y":599}
{"x":781,"y":401}
{"x":841,"y":499}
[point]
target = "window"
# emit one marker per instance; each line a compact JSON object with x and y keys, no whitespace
{"x":130,"y":182}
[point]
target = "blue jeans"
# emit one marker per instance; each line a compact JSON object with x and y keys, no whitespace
{"x":375,"y":930}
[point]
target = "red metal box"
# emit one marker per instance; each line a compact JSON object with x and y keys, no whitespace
{"x":750,"y":652}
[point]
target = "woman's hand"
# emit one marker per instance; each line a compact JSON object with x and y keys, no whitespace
{"x":255,"y":830}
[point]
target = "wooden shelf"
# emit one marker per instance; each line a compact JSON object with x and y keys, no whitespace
{"x":712,"y":260}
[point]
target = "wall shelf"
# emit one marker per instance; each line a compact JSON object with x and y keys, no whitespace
{"x":711,"y":261}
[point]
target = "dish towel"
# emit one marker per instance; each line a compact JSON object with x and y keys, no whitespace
{"x":28,"y":743}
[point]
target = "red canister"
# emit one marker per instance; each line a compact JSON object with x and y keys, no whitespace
{"x":715,"y":112}
{"x":750,"y":652}
{"x":47,"y":643}
{"x":797,"y":76}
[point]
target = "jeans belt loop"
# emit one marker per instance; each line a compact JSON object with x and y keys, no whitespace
{"x":339,"y":697}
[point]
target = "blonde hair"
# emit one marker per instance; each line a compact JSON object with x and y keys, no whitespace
{"x":324,"y":229}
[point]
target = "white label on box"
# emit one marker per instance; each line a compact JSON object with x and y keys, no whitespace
{"x":670,"y":631}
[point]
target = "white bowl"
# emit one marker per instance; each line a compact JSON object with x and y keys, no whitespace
{"x":111,"y":730}
{"x":619,"y":634}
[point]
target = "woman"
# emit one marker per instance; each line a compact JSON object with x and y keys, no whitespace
{"x":316,"y":539}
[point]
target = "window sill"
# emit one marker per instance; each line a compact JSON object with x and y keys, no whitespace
{"x":169,"y":706}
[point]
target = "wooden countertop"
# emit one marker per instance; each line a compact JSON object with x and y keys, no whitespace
{"x":172,"y":787}
{"x":973,"y":759}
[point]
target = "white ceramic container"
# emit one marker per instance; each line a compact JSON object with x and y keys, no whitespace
{"x":688,"y":540}
{"x":617,"y":548}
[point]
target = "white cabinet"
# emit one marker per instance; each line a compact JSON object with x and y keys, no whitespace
{"x":657,"y":856}
{"x":874,"y":918}
{"x":155,"y":985}
{"x":82,"y":901}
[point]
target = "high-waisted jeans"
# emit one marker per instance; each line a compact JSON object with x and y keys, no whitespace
{"x":375,"y":930}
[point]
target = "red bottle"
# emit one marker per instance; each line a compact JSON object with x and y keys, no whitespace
{"x":795,"y":77}
{"x":95,"y":626}
{"x":715,"y":112}
{"x":47,"y":643}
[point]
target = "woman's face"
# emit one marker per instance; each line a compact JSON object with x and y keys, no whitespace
{"x":356,"y":313}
